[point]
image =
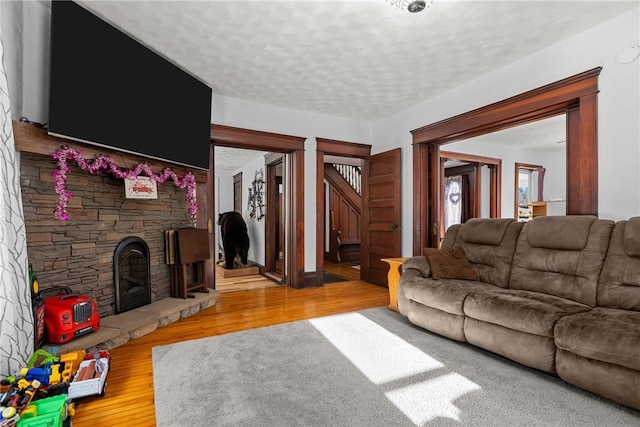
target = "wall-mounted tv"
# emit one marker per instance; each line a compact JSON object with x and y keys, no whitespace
{"x":110,"y":90}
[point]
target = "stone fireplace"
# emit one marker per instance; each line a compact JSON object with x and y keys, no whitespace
{"x":81,"y":251}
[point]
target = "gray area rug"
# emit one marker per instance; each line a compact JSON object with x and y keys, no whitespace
{"x":367,"y":368}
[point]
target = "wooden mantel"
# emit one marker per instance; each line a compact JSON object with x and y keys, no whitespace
{"x":34,"y":139}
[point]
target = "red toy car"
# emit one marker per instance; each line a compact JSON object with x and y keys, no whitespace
{"x":69,"y":315}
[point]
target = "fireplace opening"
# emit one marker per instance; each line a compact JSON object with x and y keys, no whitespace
{"x":132,"y":275}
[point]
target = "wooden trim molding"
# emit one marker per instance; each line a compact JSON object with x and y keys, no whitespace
{"x":343,"y":148}
{"x":575,"y":96}
{"x":228,"y":136}
{"x":536,"y":104}
{"x":471,"y":158}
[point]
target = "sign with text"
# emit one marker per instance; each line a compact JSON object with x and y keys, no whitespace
{"x":141,"y":187}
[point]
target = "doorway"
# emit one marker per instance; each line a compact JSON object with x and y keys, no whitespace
{"x":470,"y":188}
{"x":325,"y":149}
{"x":293,"y":147}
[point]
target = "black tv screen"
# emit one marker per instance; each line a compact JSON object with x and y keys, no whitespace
{"x":110,"y":90}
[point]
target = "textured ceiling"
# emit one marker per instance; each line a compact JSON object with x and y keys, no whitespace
{"x":233,"y":158}
{"x":355,"y":59}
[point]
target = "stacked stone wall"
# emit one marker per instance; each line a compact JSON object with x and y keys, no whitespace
{"x":78,"y":252}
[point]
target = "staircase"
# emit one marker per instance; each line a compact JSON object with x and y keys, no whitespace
{"x":344,"y":212}
{"x":352,"y":174}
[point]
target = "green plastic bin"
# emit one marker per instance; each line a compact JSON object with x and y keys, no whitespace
{"x":50,"y":412}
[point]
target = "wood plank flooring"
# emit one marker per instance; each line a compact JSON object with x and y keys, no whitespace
{"x":129,"y":395}
{"x":243,"y":283}
{"x":347,"y":270}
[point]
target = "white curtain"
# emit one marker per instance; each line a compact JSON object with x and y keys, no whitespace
{"x":16,"y":314}
{"x":452,"y":201}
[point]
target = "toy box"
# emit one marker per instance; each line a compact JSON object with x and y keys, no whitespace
{"x":50,"y":412}
{"x":90,"y":379}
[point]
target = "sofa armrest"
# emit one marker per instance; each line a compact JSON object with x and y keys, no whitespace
{"x":419,"y":263}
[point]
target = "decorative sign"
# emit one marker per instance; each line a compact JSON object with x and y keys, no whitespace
{"x":141,"y":187}
{"x":256,"y":197}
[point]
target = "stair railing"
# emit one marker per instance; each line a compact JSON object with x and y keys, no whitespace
{"x":352,"y":174}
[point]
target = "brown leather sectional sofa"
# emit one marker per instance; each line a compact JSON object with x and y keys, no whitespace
{"x":559,"y":294}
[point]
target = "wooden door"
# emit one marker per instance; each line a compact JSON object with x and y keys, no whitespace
{"x":237,"y":192}
{"x":381,"y":234}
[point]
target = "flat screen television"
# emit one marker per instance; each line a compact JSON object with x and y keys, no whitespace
{"x":110,"y":90}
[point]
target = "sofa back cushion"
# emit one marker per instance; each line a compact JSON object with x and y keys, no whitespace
{"x":619,"y":285}
{"x":562,"y":256}
{"x":489,"y":245}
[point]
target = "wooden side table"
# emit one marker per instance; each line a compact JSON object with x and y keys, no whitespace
{"x":394,"y":278}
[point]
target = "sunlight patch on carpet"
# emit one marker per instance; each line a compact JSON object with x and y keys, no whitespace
{"x":384,"y":357}
{"x":431,"y":399}
{"x":380,"y":355}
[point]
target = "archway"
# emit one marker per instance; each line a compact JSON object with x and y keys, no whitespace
{"x":575,"y":96}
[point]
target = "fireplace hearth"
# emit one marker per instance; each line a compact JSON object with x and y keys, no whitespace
{"x":132,"y":276}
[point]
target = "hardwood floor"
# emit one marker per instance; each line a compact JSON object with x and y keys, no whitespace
{"x":243,"y":283}
{"x":348,"y":270}
{"x":128,"y":400}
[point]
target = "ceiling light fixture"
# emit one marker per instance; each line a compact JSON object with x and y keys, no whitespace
{"x":413,"y":6}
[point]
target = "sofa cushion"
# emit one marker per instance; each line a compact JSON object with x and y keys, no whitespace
{"x":450,"y":236}
{"x":445,"y":295}
{"x":418,"y":263}
{"x":556,"y":269}
{"x":619,"y":284}
{"x":491,"y":261}
{"x":482,"y":232}
{"x":449,"y":264}
{"x":632,"y":237}
{"x":531,"y":312}
{"x":555,"y":232}
{"x":603,"y":334}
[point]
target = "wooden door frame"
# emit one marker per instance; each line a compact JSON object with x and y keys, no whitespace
{"x":271,"y":161}
{"x":227,"y":136}
{"x":334,"y":148}
{"x":575,"y":96}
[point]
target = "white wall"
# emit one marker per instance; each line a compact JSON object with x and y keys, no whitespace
{"x":618,"y":112}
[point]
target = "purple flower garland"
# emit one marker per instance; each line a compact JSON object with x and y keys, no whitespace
{"x":104,"y":163}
